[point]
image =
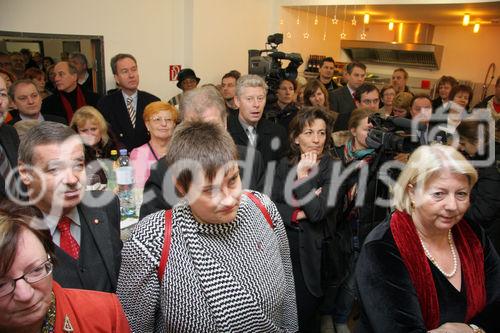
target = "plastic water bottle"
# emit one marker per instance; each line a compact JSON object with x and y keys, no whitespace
{"x":111,"y":166}
{"x":125,"y":182}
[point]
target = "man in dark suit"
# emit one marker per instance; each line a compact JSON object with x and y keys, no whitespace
{"x":85,"y":229}
{"x":342,"y":99}
{"x":326,"y":71}
{"x":199,"y":104}
{"x":123,"y":109}
{"x":79,"y":60}
{"x":9,"y":142}
{"x":28,"y":102}
{"x":249,"y":128}
{"x":70,"y":96}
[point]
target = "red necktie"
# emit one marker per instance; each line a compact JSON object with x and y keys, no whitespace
{"x":68,"y":243}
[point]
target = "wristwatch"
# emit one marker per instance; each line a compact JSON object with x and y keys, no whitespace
{"x":476,"y":329}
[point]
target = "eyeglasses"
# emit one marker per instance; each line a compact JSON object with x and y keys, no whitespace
{"x":158,"y":120}
{"x":7,"y":286}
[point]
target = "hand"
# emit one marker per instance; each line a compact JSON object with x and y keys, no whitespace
{"x":301,"y":215}
{"x":318,"y":191}
{"x":452,"y":328}
{"x":306,"y":163}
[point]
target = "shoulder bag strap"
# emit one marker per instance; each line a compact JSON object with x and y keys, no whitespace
{"x":261,"y":207}
{"x":166,"y":244}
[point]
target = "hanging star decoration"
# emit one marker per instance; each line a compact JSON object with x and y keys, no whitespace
{"x":281,"y":21}
{"x":306,"y":35}
{"x":363,"y":35}
{"x":334,"y":19}
{"x":343,"y":35}
{"x":324,"y":36}
{"x":316,"y":18}
{"x":353,"y":21}
{"x":289,"y":35}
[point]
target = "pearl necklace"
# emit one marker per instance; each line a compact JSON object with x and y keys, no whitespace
{"x":434,"y":261}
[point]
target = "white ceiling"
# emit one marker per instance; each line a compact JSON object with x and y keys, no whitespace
{"x":436,"y":14}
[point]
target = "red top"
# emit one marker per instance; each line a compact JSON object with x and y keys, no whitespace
{"x":88,"y":311}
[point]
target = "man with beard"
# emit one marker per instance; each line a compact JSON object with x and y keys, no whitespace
{"x":85,"y":226}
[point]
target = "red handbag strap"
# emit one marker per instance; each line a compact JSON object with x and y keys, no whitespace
{"x":261,"y":207}
{"x":166,"y":244}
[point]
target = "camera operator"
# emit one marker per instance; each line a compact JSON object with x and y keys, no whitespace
{"x":358,"y":220}
{"x":284,"y":109}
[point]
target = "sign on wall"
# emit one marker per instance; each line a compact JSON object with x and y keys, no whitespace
{"x":174,"y":71}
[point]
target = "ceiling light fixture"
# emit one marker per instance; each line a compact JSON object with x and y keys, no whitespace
{"x":476,"y":28}
{"x":391,"y":25}
{"x":366,"y":18}
{"x":466,"y":20}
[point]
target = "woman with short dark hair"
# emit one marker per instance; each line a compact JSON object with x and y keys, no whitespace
{"x":216,"y":262}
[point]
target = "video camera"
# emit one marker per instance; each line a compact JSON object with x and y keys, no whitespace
{"x":394,"y":134}
{"x":269,"y":65}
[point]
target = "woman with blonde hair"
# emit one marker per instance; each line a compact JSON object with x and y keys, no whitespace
{"x":99,"y":141}
{"x":160,"y":119}
{"x":426,"y":269}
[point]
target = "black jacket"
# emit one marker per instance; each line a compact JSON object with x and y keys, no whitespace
{"x":280,"y":116}
{"x":268,"y":135}
{"x":158,"y":188}
{"x":341,"y":101}
{"x":48,"y":117}
{"x":485,"y":199}
{"x":114,"y":110}
{"x":53,"y":105}
{"x":311,"y":230}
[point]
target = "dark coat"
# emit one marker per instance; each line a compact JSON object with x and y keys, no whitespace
{"x":485,"y":199}
{"x":48,"y":117}
{"x":280,"y":116}
{"x":10,"y":143}
{"x":53,"y":105}
{"x":114,"y":110}
{"x":342,"y":102}
{"x":158,"y":185}
{"x":311,"y":230}
{"x":267,"y":134}
{"x":100,"y":246}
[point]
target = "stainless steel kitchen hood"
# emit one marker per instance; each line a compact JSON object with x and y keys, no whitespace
{"x":411,"y":48}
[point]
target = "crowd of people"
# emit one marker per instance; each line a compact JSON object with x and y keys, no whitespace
{"x":262,"y":211}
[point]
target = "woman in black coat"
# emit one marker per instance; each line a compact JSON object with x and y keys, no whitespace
{"x":301,"y":192}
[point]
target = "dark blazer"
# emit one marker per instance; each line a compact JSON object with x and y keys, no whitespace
{"x":310,"y":230}
{"x":47,"y":117}
{"x":341,"y":101}
{"x":10,"y":144}
{"x":100,"y":246}
{"x":159,"y":183}
{"x":114,"y":110}
{"x":53,"y":105}
{"x":268,"y":133}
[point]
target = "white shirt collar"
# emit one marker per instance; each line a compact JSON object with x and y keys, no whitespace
{"x":53,"y":220}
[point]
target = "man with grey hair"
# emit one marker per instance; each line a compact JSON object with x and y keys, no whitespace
{"x":205,"y":104}
{"x":79,"y":60}
{"x":70,"y":96}
{"x":84,"y":229}
{"x":248,"y":127}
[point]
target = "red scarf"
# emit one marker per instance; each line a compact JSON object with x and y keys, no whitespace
{"x":471,"y":256}
{"x":80,"y":101}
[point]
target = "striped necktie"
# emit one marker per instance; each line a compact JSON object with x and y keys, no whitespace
{"x":131,"y":110}
{"x":252,"y":136}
